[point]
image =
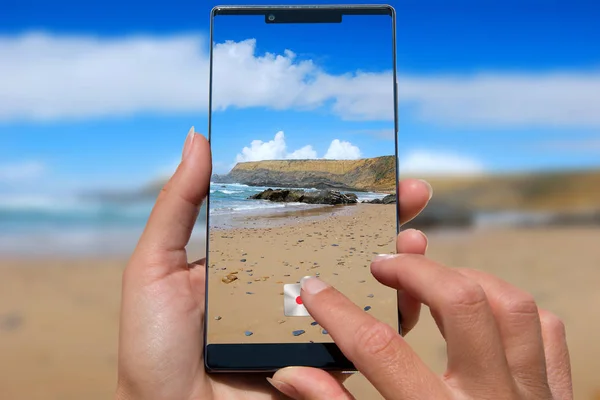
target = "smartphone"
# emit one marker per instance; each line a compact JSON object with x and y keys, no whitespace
{"x":303,"y":133}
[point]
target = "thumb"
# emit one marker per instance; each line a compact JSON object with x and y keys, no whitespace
{"x":304,"y":383}
{"x":162,"y":244}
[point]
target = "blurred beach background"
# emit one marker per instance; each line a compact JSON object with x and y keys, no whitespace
{"x":499,"y":110}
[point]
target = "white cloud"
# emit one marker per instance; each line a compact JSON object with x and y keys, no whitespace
{"x":65,"y":77}
{"x":259,"y":150}
{"x":569,"y":98}
{"x":426,"y":162}
{"x":276,"y":149}
{"x":304,"y":153}
{"x":52,"y":77}
{"x":341,"y":150}
{"x":49,"y":77}
{"x":21,"y":171}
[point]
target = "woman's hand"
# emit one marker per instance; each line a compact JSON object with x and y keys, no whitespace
{"x":500,"y":345}
{"x":162,"y":306}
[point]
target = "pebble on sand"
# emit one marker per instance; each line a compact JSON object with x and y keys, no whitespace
{"x":370,"y":296}
{"x":243,"y":260}
{"x":229,"y":278}
{"x":248,"y":333}
{"x":314,"y":323}
{"x":218,"y":318}
{"x":367,"y":308}
{"x":249,"y":292}
{"x":324,"y":332}
{"x":298,"y":332}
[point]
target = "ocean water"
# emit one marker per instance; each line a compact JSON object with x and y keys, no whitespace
{"x":71,"y":226}
{"x":233,"y":199}
{"x":75,"y":226}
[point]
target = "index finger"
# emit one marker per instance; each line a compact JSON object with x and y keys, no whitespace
{"x":375,"y":348}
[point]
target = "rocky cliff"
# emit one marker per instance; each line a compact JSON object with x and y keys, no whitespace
{"x":369,"y":174}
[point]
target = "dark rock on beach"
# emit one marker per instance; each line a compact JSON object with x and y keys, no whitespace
{"x":389,"y":199}
{"x":331,"y":197}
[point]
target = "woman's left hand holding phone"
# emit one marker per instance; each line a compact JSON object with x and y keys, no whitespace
{"x":162,"y":303}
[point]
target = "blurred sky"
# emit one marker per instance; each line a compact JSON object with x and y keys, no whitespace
{"x":101,"y":94}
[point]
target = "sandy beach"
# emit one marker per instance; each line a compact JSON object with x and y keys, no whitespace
{"x":59,"y":317}
{"x":337,"y":244}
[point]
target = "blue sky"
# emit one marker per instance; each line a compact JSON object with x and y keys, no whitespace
{"x":102,"y":94}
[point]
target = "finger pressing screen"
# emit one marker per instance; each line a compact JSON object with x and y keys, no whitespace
{"x":375,"y":348}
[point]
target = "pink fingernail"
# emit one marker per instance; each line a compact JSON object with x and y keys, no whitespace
{"x":189,"y":140}
{"x":312,"y":285}
{"x":429,"y":188}
{"x":284,"y":388}
{"x":381,"y":257}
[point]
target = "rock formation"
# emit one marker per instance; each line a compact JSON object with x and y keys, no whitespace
{"x":331,"y":197}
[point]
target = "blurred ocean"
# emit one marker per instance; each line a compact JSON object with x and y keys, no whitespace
{"x":85,"y":226}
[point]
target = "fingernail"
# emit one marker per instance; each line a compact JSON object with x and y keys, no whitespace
{"x":420,"y":233}
{"x":284,"y":388}
{"x":429,"y":188}
{"x":187,"y":147}
{"x":312,"y":285}
{"x":381,"y":257}
{"x":424,"y":237}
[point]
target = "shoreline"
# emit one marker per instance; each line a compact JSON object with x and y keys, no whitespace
{"x":295,"y":187}
{"x":270,"y":217}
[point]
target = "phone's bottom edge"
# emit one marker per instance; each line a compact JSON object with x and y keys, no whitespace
{"x":270,"y":357}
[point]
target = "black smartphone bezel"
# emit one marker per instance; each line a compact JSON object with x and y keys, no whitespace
{"x":269,"y":357}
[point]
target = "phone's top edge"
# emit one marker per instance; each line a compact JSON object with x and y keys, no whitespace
{"x":215,"y":10}
{"x":287,"y":6}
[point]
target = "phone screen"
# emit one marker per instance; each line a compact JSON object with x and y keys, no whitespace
{"x":303,"y":138}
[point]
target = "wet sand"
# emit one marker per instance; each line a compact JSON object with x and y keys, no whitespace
{"x":59,"y":317}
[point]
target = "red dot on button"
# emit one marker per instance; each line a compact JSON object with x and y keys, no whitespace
{"x":298,"y":300}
